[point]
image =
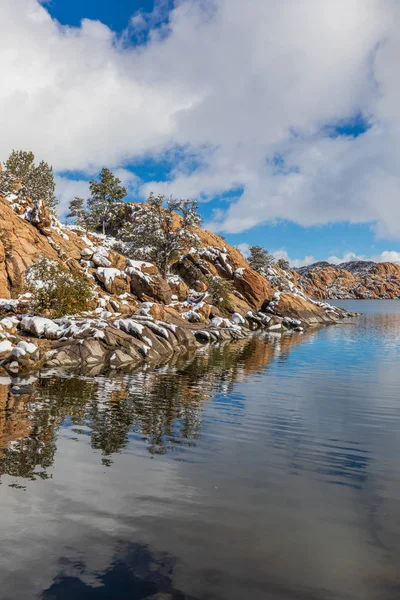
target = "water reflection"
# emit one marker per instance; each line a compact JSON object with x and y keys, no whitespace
{"x":135,"y":573}
{"x":163,"y":407}
{"x":262,"y":470}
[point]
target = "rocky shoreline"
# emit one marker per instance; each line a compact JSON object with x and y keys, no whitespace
{"x":32,"y":343}
{"x":135,"y":315}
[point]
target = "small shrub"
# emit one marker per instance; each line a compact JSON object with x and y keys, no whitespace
{"x":56,"y":291}
{"x":219,"y":290}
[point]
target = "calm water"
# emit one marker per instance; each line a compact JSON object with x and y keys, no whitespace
{"x":266,"y":470}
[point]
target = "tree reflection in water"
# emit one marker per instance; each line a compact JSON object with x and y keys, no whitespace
{"x":136,"y":573}
{"x":163,"y":406}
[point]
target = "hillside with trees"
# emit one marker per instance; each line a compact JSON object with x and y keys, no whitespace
{"x":127,"y":282}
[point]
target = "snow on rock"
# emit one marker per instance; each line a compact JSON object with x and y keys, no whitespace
{"x":27,"y":347}
{"x":11,"y":197}
{"x":5,"y":346}
{"x":133,"y":271}
{"x":9,"y":304}
{"x":145,"y":308}
{"x":107,"y":275}
{"x":226,"y":323}
{"x":9,"y":322}
{"x":40,"y":326}
{"x":289,"y":322}
{"x":169,"y":326}
{"x":100,"y":260}
{"x":23,"y":348}
{"x":218,"y":322}
{"x":129,"y":326}
{"x":98,"y":334}
{"x":87,"y":241}
{"x":158,"y":330}
{"x":102,"y":251}
{"x":105,"y":314}
{"x":89,"y":264}
{"x":191,"y":316}
{"x":238,"y":319}
{"x":87,"y":252}
{"x":138,"y":264}
{"x":202,"y":336}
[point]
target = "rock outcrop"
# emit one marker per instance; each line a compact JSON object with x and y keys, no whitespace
{"x":109,"y":343}
{"x":123,"y":283}
{"x":357,"y":279}
{"x":137,"y":315}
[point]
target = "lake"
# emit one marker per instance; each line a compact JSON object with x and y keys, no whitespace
{"x":268,"y":469}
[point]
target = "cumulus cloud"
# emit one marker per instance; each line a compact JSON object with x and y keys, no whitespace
{"x":244,"y":249}
{"x":245,"y":95}
{"x":294,"y":262}
{"x":385,"y":256}
{"x":76,"y":96}
{"x":68,"y":189}
{"x":277,"y":254}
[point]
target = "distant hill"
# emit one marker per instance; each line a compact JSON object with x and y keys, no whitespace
{"x":355,"y":279}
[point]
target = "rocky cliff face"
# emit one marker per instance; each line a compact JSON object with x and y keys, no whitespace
{"x":357,"y":279}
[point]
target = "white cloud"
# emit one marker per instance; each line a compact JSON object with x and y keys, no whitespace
{"x":231,"y":86}
{"x":277,"y":254}
{"x":244,"y":249}
{"x":385,"y":256}
{"x":68,"y":189}
{"x":294,"y":262}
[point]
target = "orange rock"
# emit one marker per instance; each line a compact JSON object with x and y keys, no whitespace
{"x":179,"y":289}
{"x":157,"y":311}
{"x":204,"y":311}
{"x":298,"y":308}
{"x":364,"y":280}
{"x":253,"y":286}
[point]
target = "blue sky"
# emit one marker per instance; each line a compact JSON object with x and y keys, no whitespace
{"x":283,"y":119}
{"x":115,"y":14}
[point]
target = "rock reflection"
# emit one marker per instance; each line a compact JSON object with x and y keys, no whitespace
{"x":163,"y":407}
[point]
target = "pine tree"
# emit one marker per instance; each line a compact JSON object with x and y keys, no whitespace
{"x":37,"y":180}
{"x":156,"y":230}
{"x":104,"y":194}
{"x":219,"y":290}
{"x":260,"y":259}
{"x":42,"y":186}
{"x":283,"y":264}
{"x":78,"y":211}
